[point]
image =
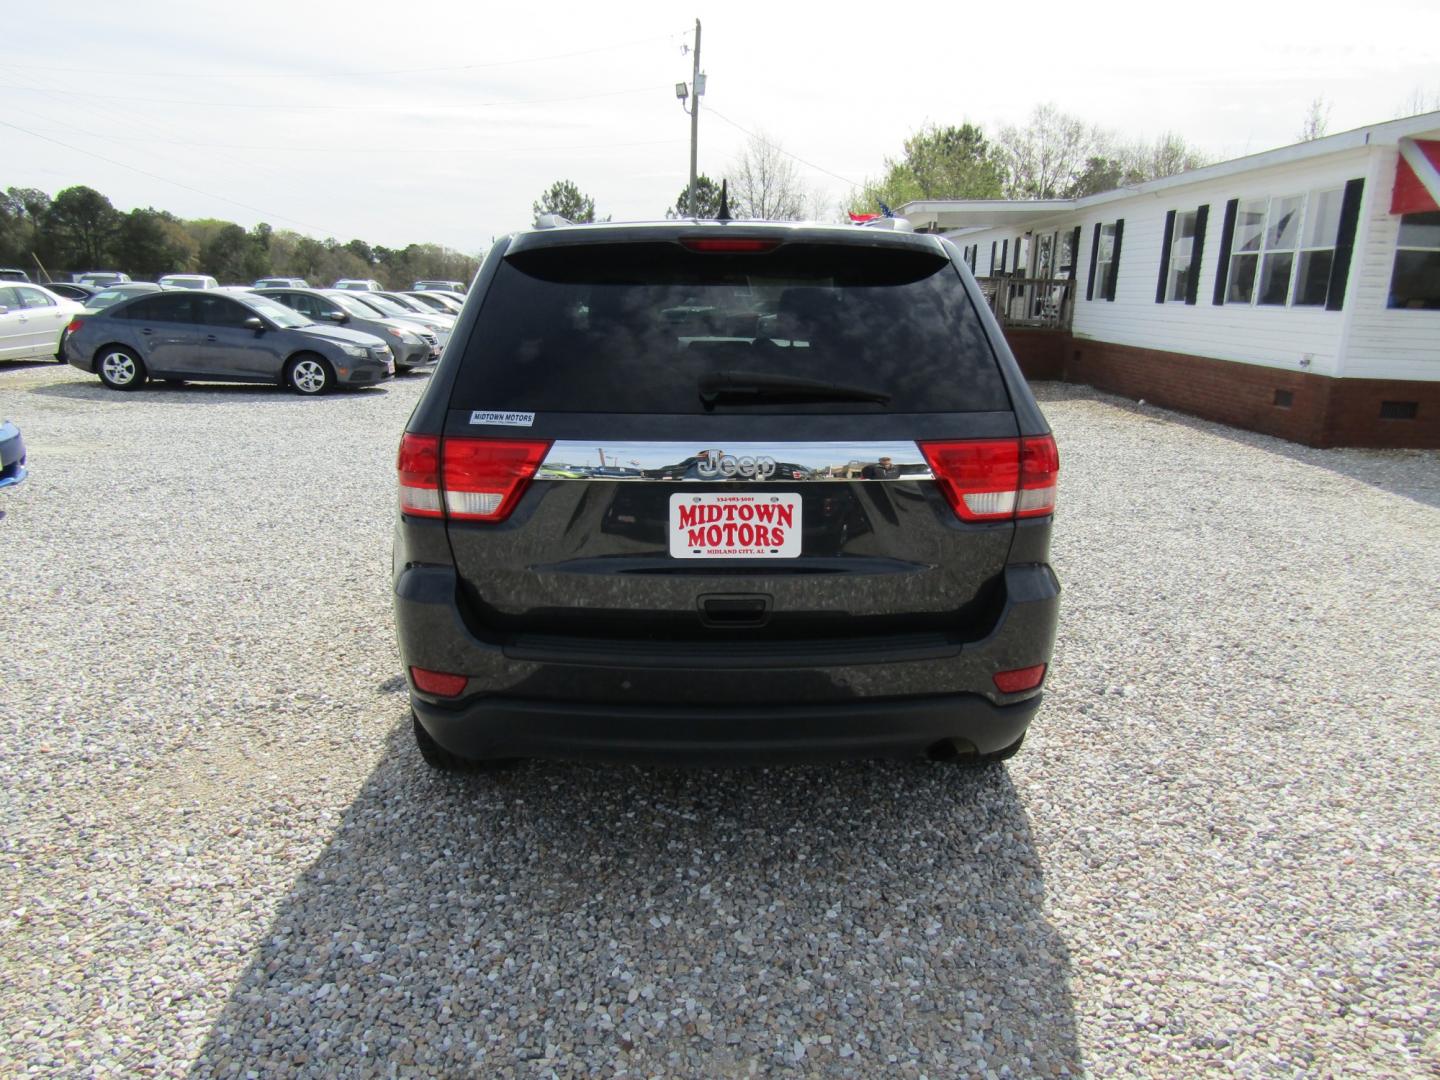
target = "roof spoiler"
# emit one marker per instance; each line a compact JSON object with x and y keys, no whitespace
{"x":551,"y":221}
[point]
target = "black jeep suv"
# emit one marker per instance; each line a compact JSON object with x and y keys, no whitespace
{"x":721,"y":489}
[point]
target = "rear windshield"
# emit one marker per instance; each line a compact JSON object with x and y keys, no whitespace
{"x":638,"y":328}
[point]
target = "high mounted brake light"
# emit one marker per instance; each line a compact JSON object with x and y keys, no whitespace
{"x":465,"y":479}
{"x":996,"y":479}
{"x":730,"y":245}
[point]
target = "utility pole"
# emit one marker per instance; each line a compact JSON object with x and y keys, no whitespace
{"x":698,"y":88}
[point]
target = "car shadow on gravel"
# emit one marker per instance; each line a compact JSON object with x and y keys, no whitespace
{"x":860,"y":919}
{"x":191,"y":393}
{"x":25,"y":365}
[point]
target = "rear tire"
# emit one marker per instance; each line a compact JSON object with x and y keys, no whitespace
{"x":120,"y":369}
{"x":1005,"y":753}
{"x":442,"y":760}
{"x":435,"y":755}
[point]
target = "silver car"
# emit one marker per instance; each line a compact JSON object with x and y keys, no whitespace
{"x":437,"y":324}
{"x":437,"y":301}
{"x":223,"y":337}
{"x":413,"y":345}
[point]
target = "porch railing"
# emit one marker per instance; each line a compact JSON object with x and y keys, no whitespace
{"x":1036,"y":303}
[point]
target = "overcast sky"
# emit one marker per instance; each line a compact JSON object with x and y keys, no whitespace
{"x":444,"y":122}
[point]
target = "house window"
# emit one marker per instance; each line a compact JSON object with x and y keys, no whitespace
{"x":1415,"y":280}
{"x":1182,"y":244}
{"x":1283,"y":241}
{"x":1104,"y":257}
{"x":1277,"y":258}
{"x":1317,"y":247}
{"x":1249,"y":232}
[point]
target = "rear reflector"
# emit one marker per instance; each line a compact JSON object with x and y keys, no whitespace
{"x":439,"y":683}
{"x":1025,"y":678}
{"x":996,"y":479}
{"x":730,"y":245}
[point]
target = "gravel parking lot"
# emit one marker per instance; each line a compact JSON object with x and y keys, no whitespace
{"x":1218,"y":852}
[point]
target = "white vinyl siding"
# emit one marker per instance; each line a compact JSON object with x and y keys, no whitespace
{"x":1385,"y":342}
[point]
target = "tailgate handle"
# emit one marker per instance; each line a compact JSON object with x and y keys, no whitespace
{"x":734,"y":609}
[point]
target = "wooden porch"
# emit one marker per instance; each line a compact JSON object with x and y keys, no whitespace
{"x":1040,"y":303}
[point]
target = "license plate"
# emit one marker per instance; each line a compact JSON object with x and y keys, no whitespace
{"x":735,"y":525}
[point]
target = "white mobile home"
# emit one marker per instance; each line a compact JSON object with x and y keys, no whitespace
{"x":1295,"y":292}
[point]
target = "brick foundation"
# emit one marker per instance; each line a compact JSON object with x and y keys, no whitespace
{"x":1312,"y":409}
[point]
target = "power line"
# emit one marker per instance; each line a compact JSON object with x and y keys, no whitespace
{"x":290,"y":105}
{"x":349,"y":74}
{"x":167,"y":180}
{"x":352,"y":149}
{"x":779,"y":149}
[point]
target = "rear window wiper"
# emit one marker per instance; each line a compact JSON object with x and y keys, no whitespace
{"x":760,"y":388}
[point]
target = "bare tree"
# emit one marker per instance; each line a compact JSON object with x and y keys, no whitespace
{"x":1043,"y":159}
{"x":1418,"y":102}
{"x":1317,"y":120}
{"x":764,"y":183}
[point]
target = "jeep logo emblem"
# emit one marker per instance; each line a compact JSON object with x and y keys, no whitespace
{"x":714,"y":464}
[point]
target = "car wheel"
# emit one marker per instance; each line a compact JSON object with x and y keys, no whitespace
{"x":437,"y":757}
{"x":309,"y":375}
{"x":1005,"y":753}
{"x":120,"y":369}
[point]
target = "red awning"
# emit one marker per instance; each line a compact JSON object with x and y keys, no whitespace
{"x":1417,"y":178}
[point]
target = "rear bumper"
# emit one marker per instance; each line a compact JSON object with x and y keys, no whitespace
{"x":513,"y":727}
{"x":558,"y":697}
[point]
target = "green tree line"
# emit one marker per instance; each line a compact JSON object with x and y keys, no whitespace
{"x":79,"y":229}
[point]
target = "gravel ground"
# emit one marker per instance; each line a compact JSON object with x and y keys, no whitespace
{"x":1219,"y":851}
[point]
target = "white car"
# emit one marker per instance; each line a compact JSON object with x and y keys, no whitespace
{"x":32,"y":320}
{"x":357,"y":285}
{"x":188,"y":281}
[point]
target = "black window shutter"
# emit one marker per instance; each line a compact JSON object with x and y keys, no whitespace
{"x":1017,"y":255}
{"x":1227,"y":238}
{"x":1165,"y":256}
{"x":1344,"y":244}
{"x":1074,"y":252}
{"x":1094,"y":257}
{"x":1197,"y":254}
{"x":1004,"y":254}
{"x":1115,"y":260}
{"x":992,"y":258}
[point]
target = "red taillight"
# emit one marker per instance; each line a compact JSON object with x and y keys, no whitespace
{"x":996,"y":479}
{"x":483,"y":479}
{"x":439,"y":683}
{"x":1039,"y":470}
{"x":75,"y":324}
{"x":419,"y":468}
{"x":1025,"y":678}
{"x":730,"y":245}
{"x":465,"y":479}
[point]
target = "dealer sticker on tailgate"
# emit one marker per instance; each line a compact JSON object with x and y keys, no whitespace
{"x":735,"y":525}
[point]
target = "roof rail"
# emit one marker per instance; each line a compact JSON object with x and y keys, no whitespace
{"x":896,"y":224}
{"x":551,"y":221}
